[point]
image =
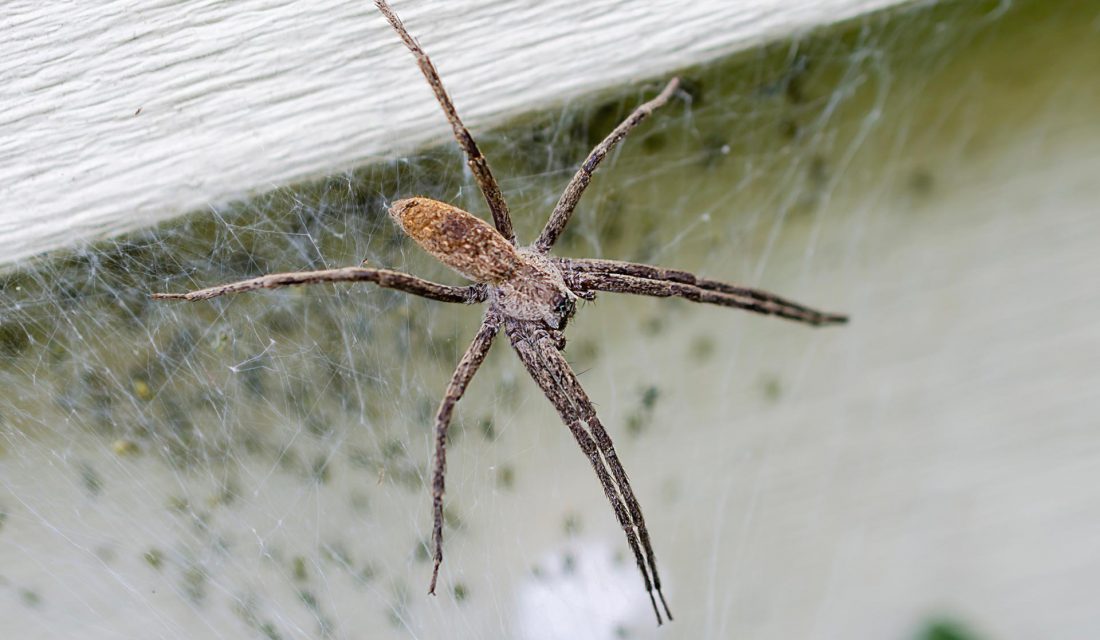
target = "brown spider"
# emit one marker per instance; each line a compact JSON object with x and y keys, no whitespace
{"x":532,"y":295}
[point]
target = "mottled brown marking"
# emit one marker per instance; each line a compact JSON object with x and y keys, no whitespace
{"x":458,"y":239}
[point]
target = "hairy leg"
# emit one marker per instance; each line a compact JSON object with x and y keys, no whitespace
{"x":382,"y":277}
{"x":626,"y":277}
{"x":477,"y":162}
{"x":612,"y":490}
{"x":539,"y":353}
{"x":467,"y":367}
{"x":575,"y":189}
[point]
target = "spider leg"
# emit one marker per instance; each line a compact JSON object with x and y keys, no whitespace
{"x":467,"y":367}
{"x":540,"y":355}
{"x":382,"y":277}
{"x":575,"y":189}
{"x":611,"y":490}
{"x":627,"y":277}
{"x":477,"y":162}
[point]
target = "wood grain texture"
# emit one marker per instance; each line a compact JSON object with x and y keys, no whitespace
{"x":115,"y":115}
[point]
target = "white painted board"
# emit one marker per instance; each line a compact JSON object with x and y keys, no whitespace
{"x":115,"y":115}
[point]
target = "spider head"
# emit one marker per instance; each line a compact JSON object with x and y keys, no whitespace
{"x":536,"y":292}
{"x":563,"y":310}
{"x":556,"y":308}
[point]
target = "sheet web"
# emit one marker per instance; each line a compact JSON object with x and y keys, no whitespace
{"x":255,"y":465}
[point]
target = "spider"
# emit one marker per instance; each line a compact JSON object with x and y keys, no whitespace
{"x":532,"y":295}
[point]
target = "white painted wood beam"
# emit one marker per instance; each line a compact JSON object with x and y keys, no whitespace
{"x":118,"y":114}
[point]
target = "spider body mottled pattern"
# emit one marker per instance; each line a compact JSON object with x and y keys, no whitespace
{"x":532,"y":296}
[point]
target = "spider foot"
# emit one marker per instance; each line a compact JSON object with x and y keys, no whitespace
{"x":656,"y":611}
{"x":435,"y":576}
{"x":668,"y":614}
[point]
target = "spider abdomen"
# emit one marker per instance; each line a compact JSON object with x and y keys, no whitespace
{"x":458,"y":239}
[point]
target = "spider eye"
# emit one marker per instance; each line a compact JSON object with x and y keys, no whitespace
{"x":565,"y":307}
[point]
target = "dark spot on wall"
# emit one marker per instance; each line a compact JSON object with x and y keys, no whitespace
{"x":654,"y":143}
{"x":771,"y":387}
{"x":568,"y":564}
{"x":693,"y":87}
{"x":789,"y":128}
{"x":30,"y":598}
{"x":506,"y":477}
{"x":921,"y":182}
{"x":90,"y":479}
{"x":571,"y":525}
{"x":945,"y":630}
{"x":298,"y":569}
{"x":14,"y":340}
{"x":488,"y":429}
{"x":154,"y":558}
{"x":701,"y":348}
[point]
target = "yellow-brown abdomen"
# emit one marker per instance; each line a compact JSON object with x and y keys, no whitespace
{"x":458,"y":239}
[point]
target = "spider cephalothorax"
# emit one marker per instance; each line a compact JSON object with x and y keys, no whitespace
{"x":532,"y":295}
{"x":536,"y":293}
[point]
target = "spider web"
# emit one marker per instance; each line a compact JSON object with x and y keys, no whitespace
{"x":254,"y":466}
